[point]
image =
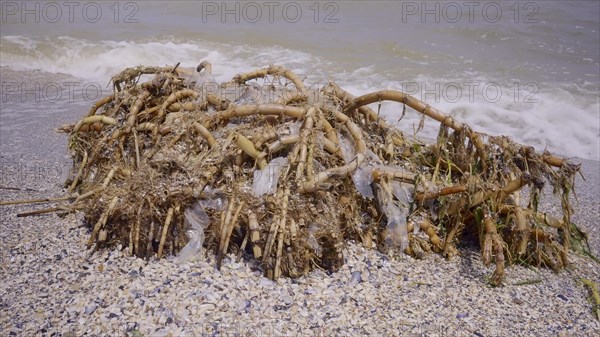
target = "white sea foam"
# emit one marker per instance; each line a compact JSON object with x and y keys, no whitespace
{"x":100,"y":60}
{"x":562,"y":118}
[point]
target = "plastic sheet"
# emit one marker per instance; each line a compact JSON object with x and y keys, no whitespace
{"x":215,"y":199}
{"x":403,"y":192}
{"x":362,"y":178}
{"x":363,"y":175}
{"x":347,"y":146}
{"x":397,"y":230}
{"x":265,"y":180}
{"x":197,"y":220}
{"x":295,"y":128}
{"x":312,"y":240}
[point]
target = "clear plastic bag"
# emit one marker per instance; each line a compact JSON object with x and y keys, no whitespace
{"x":397,"y":230}
{"x":362,"y":178}
{"x":363,"y":175}
{"x":196,"y":220}
{"x":265,"y":180}
{"x":312,"y":240}
{"x":404,"y":193}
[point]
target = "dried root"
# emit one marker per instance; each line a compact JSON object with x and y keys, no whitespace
{"x":493,"y":248}
{"x":288,"y":174}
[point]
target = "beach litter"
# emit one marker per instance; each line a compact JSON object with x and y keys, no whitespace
{"x":265,"y":167}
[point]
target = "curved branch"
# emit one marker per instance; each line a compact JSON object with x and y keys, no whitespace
{"x":273,"y":71}
{"x":399,"y":96}
{"x":261,"y":109}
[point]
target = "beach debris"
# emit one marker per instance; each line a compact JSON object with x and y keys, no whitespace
{"x":265,"y":166}
{"x":595,"y":297}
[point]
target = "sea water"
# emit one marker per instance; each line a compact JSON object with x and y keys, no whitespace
{"x":529,"y":70}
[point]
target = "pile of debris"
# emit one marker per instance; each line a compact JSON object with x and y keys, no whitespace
{"x":264,"y":166}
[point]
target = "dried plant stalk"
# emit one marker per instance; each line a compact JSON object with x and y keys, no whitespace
{"x":262,"y":109}
{"x":522,"y":231}
{"x":79,"y":172}
{"x":100,"y":104}
{"x":165,"y":230}
{"x":246,"y":145}
{"x":205,"y":134}
{"x":230,"y":227}
{"x":493,"y":246}
{"x":254,"y":235}
{"x":273,"y":71}
{"x":428,"y":228}
{"x":94,"y":119}
{"x":140,"y":146}
{"x":102,"y":221}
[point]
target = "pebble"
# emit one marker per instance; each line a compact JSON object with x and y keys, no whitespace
{"x":287,"y":299}
{"x":210,"y":297}
{"x":265,"y":282}
{"x":365,"y":275}
{"x":240,"y":306}
{"x":89,"y":309}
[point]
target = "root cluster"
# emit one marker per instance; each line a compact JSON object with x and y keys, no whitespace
{"x":288,"y":174}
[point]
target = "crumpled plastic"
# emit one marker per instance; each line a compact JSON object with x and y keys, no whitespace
{"x":397,"y":229}
{"x":265,"y":180}
{"x":403,"y":192}
{"x":312,"y":240}
{"x":197,"y":220}
{"x":363,"y":175}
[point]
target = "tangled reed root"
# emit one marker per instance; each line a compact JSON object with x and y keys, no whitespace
{"x":343,"y":173}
